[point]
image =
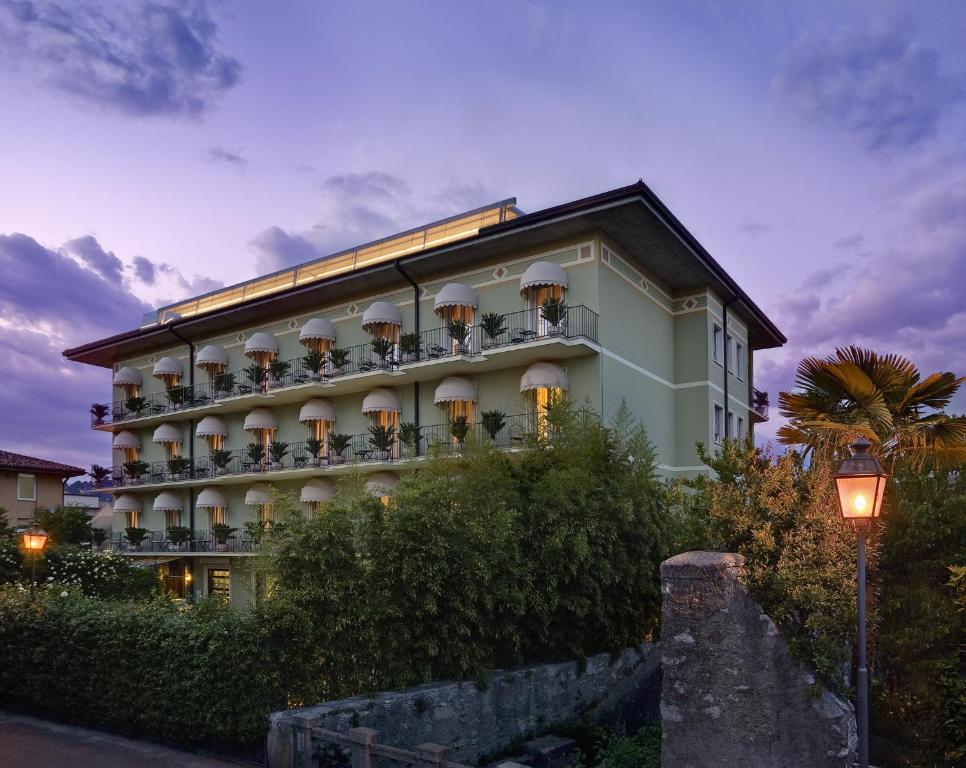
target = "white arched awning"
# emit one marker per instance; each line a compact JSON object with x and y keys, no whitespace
{"x":211,"y":426}
{"x":316,"y":490}
{"x":168,"y":501}
{"x":259,"y":494}
{"x":317,"y":409}
{"x":381,"y":400}
{"x":211,"y":357}
{"x":543,"y":273}
{"x":261,"y":342}
{"x":455,"y":388}
{"x":211,"y":497}
{"x":381,"y":312}
{"x":126,"y":377}
{"x":455,"y":295}
{"x":541,"y":375}
{"x":260,"y":418}
{"x":166,"y":433}
{"x":126,"y":439}
{"x":381,"y":483}
{"x":167,"y":366}
{"x":127,"y":502}
{"x":317,"y":328}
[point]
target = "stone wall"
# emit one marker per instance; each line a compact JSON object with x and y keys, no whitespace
{"x":476,"y":722}
{"x":732,"y":694}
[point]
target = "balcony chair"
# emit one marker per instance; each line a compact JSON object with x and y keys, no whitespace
{"x":435,"y":351}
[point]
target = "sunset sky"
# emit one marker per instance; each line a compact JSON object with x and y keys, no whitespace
{"x":154,"y":150}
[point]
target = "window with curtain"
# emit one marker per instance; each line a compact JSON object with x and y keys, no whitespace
{"x":217,"y":516}
{"x":26,"y":488}
{"x":132,"y":519}
{"x":172,"y":518}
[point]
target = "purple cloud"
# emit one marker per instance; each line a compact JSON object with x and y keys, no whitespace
{"x":222,"y":155}
{"x":105,"y":263}
{"x":149,"y":60}
{"x":144,"y":270}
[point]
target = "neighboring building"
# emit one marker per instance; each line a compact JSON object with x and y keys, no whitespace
{"x":455,"y":319}
{"x":28,"y":484}
{"x":100,"y":510}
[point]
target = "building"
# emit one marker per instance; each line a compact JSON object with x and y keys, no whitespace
{"x":475,"y":321}
{"x":28,"y":484}
{"x":100,"y":510}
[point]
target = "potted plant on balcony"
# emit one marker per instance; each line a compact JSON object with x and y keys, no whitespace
{"x":136,"y":469}
{"x":554,"y":312}
{"x":178,"y":535}
{"x":382,"y":439}
{"x":494,"y":326}
{"x":221,"y":532}
{"x":256,"y":456}
{"x":410,"y":435}
{"x":99,"y":412}
{"x":338,"y":359}
{"x":136,"y":404}
{"x":459,"y":332}
{"x":98,"y":537}
{"x":277,"y":371}
{"x":255,"y":530}
{"x":459,"y":428}
{"x":277,"y":450}
{"x":178,"y":468}
{"x":221,"y":459}
{"x":383,"y":348}
{"x":224,"y":384}
{"x":178,"y":397}
{"x":256,"y":376}
{"x":314,"y":361}
{"x":135,"y":536}
{"x":409,"y":347}
{"x":493,"y":422}
{"x":99,"y":475}
{"x":337,"y":447}
{"x":314,"y":446}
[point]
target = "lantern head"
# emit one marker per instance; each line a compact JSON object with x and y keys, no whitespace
{"x":860,"y":482}
{"x":34,"y":539}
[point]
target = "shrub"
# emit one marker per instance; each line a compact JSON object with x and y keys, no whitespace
{"x":66,"y":525}
{"x":99,"y":574}
{"x":11,"y":560}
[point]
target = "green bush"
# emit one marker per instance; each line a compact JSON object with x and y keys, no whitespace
{"x":642,"y":750}
{"x":65,"y":525}
{"x":99,"y":574}
{"x":11,"y":561}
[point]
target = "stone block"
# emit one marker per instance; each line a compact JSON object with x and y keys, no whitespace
{"x":551,"y":751}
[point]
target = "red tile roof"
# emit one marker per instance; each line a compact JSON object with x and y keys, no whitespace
{"x":22,"y":463}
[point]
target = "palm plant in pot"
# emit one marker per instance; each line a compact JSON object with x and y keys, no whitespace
{"x":256,"y":376}
{"x":338,"y":359}
{"x":459,"y":428}
{"x":255,"y":453}
{"x":224,"y":383}
{"x":277,"y":371}
{"x":494,"y":326}
{"x":459,"y":332}
{"x":409,"y":347}
{"x":99,"y":412}
{"x":554,"y":312}
{"x":221,"y":459}
{"x":337,"y":446}
{"x":277,"y":450}
{"x":177,"y":396}
{"x":99,"y":475}
{"x":383,"y":348}
{"x":410,"y":436}
{"x":493,"y":422}
{"x":178,"y":467}
{"x":178,"y":535}
{"x":135,"y":536}
{"x":255,"y":530}
{"x":382,"y":440}
{"x":314,"y":446}
{"x":136,"y":469}
{"x":314,"y":361}
{"x":136,"y":404}
{"x":221,"y":532}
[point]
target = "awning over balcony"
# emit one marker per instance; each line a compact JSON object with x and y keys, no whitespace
{"x":166,"y":433}
{"x":381,"y":483}
{"x":211,"y":497}
{"x":211,"y":426}
{"x":127,"y":502}
{"x":455,"y":295}
{"x":455,"y":388}
{"x":167,"y":366}
{"x":381,"y":400}
{"x":316,"y":490}
{"x":260,"y":418}
{"x":211,"y":357}
{"x":168,"y":501}
{"x":543,"y":273}
{"x":259,"y":494}
{"x":126,"y":377}
{"x":261,"y":342}
{"x":381,"y":312}
{"x":317,"y":409}
{"x":540,"y":375}
{"x":316,"y":329}
{"x":126,"y":439}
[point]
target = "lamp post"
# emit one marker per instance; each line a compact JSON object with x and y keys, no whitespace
{"x":34,"y":540}
{"x":861,"y":482}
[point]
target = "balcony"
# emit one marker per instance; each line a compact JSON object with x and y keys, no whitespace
{"x":430,"y":354}
{"x":241,"y":542}
{"x":759,"y":405}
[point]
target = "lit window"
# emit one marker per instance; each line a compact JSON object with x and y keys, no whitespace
{"x":172,"y":518}
{"x":132,"y":518}
{"x":716,"y":344}
{"x":718,"y":415}
{"x":740,"y":360}
{"x":26,"y":488}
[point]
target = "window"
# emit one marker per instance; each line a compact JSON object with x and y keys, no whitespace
{"x":26,"y":488}
{"x":219,"y":583}
{"x":741,"y":428}
{"x":718,"y":415}
{"x":716,"y":344}
{"x":731,"y":355}
{"x":172,"y":518}
{"x":730,"y":432}
{"x":132,"y":519}
{"x":740,"y":360}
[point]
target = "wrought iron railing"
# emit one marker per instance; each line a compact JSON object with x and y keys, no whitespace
{"x":759,"y":403}
{"x":155,"y":404}
{"x":200,"y":541}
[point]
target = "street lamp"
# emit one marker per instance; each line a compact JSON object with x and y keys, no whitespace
{"x":34,"y":540}
{"x":861,"y":482}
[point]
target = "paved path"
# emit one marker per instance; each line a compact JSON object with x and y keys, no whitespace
{"x":26,"y":742}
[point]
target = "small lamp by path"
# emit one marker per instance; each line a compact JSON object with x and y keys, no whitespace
{"x":34,"y":540}
{"x":861,"y":483}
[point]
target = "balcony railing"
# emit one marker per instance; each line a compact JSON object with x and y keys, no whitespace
{"x":200,"y":541}
{"x":759,"y":403}
{"x":513,"y":329}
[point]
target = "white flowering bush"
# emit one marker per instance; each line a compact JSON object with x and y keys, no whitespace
{"x":11,"y":561}
{"x":99,"y":574}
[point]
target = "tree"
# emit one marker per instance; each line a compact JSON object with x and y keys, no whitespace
{"x":66,"y":525}
{"x":857,"y":392}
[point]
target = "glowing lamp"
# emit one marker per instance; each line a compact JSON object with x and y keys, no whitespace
{"x":861,"y":482}
{"x":34,"y":539}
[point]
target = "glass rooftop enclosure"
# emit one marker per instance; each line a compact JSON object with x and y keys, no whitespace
{"x":458,"y":227}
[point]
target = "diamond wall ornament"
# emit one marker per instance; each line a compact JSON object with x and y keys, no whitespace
{"x":499,"y":273}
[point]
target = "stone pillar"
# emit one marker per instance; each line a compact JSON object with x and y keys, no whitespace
{"x":732,"y":695}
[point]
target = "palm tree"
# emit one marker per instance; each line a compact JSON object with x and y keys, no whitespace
{"x":857,"y":392}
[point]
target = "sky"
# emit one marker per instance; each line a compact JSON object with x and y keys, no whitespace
{"x":155,"y":150}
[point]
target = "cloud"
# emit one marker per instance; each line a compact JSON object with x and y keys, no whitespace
{"x":144,"y":270}
{"x":222,"y":155}
{"x":754,"y":227}
{"x":883,"y":87}
{"x":849,"y":242}
{"x":105,"y":263}
{"x":170,"y":279}
{"x":276,"y":249}
{"x":148,"y":59}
